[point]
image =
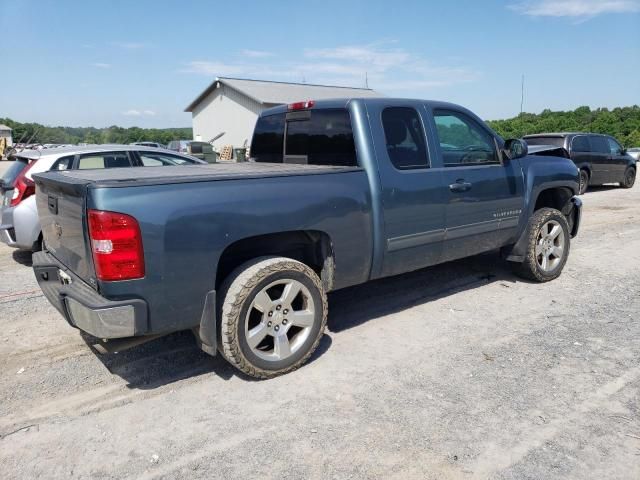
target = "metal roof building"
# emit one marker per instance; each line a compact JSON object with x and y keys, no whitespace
{"x":232,"y":105}
{"x":5,"y":132}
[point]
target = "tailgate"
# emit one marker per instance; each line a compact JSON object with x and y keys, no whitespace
{"x":61,"y":207}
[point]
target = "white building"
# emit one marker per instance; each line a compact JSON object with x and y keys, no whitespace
{"x":232,"y":105}
{"x":5,"y":132}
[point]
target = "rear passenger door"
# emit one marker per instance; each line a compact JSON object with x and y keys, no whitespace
{"x":580,"y":150}
{"x":484,"y":197}
{"x":412,"y":190}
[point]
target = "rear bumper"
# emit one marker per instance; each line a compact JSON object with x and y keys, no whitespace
{"x":83,"y":307}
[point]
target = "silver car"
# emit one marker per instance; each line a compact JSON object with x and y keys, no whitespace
{"x":19,"y":223}
{"x":634,"y":152}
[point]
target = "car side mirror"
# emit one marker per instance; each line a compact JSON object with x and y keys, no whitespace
{"x":515,"y":148}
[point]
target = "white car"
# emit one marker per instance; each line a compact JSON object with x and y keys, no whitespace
{"x":634,"y":152}
{"x":19,"y":223}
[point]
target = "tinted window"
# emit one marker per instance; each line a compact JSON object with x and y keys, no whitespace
{"x":555,"y":141}
{"x":315,"y":137}
{"x":580,"y":144}
{"x":599,"y":144}
{"x":64,"y":163}
{"x":268,"y":139}
{"x":153,"y":159}
{"x":462,"y":140}
{"x":13,"y":171}
{"x":614,"y":147}
{"x":404,"y":137}
{"x":325,"y":138}
{"x":104,"y":160}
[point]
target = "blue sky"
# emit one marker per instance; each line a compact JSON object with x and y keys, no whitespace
{"x":142,"y":62}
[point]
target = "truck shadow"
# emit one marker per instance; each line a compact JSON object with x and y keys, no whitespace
{"x":353,"y":306}
{"x":176,"y":357}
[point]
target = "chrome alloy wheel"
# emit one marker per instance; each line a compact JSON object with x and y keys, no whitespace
{"x":550,"y":245}
{"x":279,"y":320}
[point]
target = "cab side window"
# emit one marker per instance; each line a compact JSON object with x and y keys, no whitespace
{"x":614,"y":146}
{"x":405,"y":138}
{"x":463,"y":141}
{"x":599,"y":144}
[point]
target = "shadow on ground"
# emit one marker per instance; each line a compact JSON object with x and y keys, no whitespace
{"x":23,"y":257}
{"x":176,"y":356}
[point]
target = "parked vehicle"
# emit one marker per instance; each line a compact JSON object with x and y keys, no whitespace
{"x":600,"y":158}
{"x":634,"y":152}
{"x":202,"y":150}
{"x":20,"y":227}
{"x":148,"y":144}
{"x":338,"y":192}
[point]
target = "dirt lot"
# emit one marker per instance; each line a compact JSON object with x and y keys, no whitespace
{"x":461,"y":371}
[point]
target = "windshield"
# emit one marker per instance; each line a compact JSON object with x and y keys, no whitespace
{"x":12,"y":172}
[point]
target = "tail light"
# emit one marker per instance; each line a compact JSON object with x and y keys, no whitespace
{"x":23,"y":187}
{"x":301,"y":105}
{"x":116,"y":245}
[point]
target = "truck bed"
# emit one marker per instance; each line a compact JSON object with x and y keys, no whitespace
{"x":114,"y":177}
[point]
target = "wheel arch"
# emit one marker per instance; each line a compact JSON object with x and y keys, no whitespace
{"x":311,"y":247}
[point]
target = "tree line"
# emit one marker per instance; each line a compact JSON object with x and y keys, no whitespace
{"x":36,"y":133}
{"x":623,"y":123}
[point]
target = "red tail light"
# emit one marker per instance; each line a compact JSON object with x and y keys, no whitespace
{"x":116,"y":245}
{"x":23,"y":187}
{"x":301,"y":105}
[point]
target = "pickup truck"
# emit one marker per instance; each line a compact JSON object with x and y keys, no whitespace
{"x":336,"y":193}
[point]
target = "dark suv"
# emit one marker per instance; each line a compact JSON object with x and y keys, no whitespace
{"x":600,"y":158}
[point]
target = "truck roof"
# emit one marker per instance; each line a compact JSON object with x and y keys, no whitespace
{"x":344,"y":102}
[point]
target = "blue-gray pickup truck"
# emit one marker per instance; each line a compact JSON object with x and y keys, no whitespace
{"x":336,"y":193}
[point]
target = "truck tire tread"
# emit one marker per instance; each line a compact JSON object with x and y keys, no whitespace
{"x":235,"y":290}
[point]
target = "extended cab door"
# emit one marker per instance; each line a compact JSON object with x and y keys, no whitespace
{"x":412,"y":192}
{"x":484,"y":197}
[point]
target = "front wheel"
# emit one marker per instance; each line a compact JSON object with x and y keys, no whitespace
{"x":273,"y":314}
{"x":548,"y":245}
{"x":629,"y":178}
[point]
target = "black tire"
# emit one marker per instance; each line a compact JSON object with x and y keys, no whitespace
{"x":584,"y":182}
{"x":530,"y":267}
{"x":629,"y":178}
{"x":237,"y":294}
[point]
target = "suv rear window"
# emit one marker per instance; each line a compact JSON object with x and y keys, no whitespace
{"x":555,"y":141}
{"x":314,"y":137}
{"x":13,"y":171}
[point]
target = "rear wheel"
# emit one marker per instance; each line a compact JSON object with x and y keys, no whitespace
{"x":584,"y":182}
{"x":629,"y":178}
{"x":547,"y":246}
{"x":273,"y":314}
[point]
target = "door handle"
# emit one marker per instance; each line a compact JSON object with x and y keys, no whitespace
{"x":460,"y":186}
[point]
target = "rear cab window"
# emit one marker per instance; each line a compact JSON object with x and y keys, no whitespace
{"x":313,"y":137}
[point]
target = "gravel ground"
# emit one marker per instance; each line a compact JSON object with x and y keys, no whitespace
{"x":461,"y":371}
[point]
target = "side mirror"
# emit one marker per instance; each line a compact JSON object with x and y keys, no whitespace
{"x":515,"y":148}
